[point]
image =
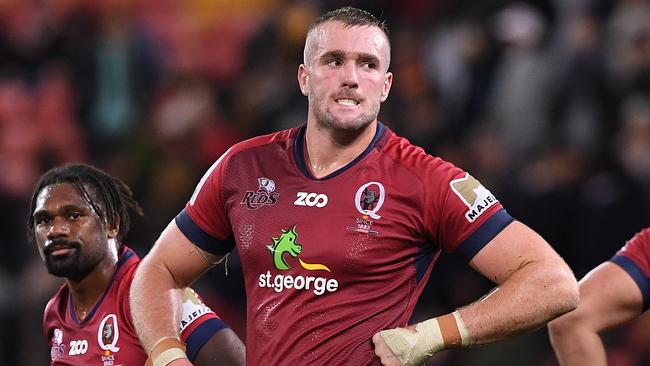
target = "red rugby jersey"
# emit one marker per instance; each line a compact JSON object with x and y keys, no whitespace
{"x":329,"y":262}
{"x":634,"y":258}
{"x":106,"y":336}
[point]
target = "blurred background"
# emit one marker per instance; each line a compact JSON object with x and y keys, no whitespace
{"x":547,"y":103}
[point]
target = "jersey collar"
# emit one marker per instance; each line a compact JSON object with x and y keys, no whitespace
{"x":299,"y":153}
{"x":127,"y":255}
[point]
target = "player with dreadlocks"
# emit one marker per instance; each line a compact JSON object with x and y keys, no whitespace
{"x":79,"y":217}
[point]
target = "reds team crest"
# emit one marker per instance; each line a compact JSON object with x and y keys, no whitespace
{"x":108,"y":334}
{"x":265,"y":195}
{"x":368,"y":201}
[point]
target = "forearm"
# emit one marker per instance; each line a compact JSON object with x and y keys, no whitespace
{"x":609,"y":297}
{"x":578,"y":345}
{"x":156,"y":294}
{"x":530,"y":297}
{"x":535,"y":286}
{"x":156,"y":304}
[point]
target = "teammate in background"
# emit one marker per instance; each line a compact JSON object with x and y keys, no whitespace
{"x":338,"y":223}
{"x":80,"y":215}
{"x":611,"y":294}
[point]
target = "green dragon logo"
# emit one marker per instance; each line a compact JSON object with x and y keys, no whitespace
{"x":288,"y":243}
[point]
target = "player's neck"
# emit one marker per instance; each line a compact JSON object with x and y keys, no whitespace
{"x":89,"y":289}
{"x":329,"y":150}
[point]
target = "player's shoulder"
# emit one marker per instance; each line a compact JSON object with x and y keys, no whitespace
{"x":413,"y":157}
{"x":126,"y":266}
{"x":118,"y":292}
{"x":643,"y":235}
{"x":634,"y":258}
{"x":640,"y":242}
{"x":279,"y":137}
{"x":57,"y":304}
{"x":60,"y":297}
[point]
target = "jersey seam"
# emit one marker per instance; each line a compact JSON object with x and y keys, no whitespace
{"x":423,"y":211}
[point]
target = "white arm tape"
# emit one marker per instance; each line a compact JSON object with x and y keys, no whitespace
{"x":414,"y":348}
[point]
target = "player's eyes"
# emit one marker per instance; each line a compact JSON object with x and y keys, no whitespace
{"x":42,"y":220}
{"x":334,"y":62}
{"x":75,"y":215}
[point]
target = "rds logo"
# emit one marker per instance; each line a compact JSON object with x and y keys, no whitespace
{"x":287,"y":244}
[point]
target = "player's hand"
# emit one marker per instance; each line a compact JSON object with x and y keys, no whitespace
{"x":410,"y":346}
{"x":384,"y":353}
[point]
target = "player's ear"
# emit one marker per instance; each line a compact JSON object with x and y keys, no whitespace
{"x":303,"y":79}
{"x":388,"y":82}
{"x":112,"y":233}
{"x":113,"y":230}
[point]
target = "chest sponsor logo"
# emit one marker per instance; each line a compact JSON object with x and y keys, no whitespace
{"x":368,"y":200}
{"x":58,"y":348}
{"x":78,"y":347}
{"x":108,"y":334}
{"x":285,"y":247}
{"x":311,"y":199}
{"x":265,"y":195}
{"x":472,"y":193}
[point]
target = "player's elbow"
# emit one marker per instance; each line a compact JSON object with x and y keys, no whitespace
{"x":562,"y":326}
{"x":564,"y":291}
{"x":570,"y":326}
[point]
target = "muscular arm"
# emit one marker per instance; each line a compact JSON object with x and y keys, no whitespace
{"x":534,"y":286}
{"x":156,"y":293}
{"x":224,"y":348}
{"x":608,"y":297}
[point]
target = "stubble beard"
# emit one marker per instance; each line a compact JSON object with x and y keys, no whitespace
{"x":328,"y":120}
{"x":75,"y":266}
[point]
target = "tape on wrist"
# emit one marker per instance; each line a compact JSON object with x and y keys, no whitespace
{"x":166,"y":350}
{"x":453,"y":330}
{"x":169,"y":355}
{"x":465,"y":338}
{"x":430,"y":336}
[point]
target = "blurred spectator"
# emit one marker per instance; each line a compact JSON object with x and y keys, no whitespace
{"x":126,"y":69}
{"x":518,"y":108}
{"x":633,"y":140}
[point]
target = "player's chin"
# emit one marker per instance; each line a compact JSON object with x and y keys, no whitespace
{"x":61,"y":266}
{"x":354,"y":122}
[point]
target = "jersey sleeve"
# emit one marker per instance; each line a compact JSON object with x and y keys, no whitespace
{"x":461,"y":215}
{"x":204,"y":220}
{"x":198,"y":323}
{"x":634,"y":258}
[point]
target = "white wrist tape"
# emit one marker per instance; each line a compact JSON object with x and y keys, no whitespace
{"x":169,"y":355}
{"x":465,"y":339}
{"x":413,"y":348}
{"x":166,"y":350}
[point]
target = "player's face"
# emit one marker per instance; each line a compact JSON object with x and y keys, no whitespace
{"x":345,"y":75}
{"x":71,"y":237}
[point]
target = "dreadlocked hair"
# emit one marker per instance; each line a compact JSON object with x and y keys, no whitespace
{"x":116,"y":197}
